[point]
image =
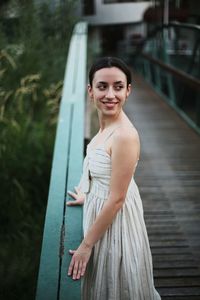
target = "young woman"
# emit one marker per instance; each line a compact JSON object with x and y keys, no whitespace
{"x":114,"y":257}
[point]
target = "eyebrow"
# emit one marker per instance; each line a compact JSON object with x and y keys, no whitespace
{"x":104,"y":82}
{"x":118,"y":82}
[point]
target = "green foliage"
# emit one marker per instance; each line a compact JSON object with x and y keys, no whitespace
{"x":32,"y":62}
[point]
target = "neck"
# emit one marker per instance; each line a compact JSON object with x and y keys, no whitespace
{"x":107,"y":122}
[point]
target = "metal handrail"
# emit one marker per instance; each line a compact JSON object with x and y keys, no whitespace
{"x":156,"y":66}
{"x":166,"y":26}
{"x":190,"y":80}
{"x":63,"y":227}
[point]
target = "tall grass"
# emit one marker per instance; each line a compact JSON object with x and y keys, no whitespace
{"x":32,"y":62}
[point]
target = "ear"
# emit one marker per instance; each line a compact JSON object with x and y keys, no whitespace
{"x":129,"y":88}
{"x":90,"y":91}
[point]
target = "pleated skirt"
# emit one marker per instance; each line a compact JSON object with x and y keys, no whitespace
{"x":120,"y":267}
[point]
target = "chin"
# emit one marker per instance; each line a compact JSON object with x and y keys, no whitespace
{"x":110,"y":113}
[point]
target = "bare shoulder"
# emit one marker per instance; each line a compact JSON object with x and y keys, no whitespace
{"x":126,"y":142}
{"x":126,"y":134}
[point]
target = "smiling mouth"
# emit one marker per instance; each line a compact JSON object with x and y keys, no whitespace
{"x":109,"y":105}
{"x":108,"y":102}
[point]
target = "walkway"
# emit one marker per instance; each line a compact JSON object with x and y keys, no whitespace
{"x":168,"y":176}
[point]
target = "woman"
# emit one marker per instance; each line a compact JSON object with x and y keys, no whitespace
{"x":114,"y":257}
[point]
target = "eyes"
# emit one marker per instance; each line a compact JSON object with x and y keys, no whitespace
{"x":103,"y":87}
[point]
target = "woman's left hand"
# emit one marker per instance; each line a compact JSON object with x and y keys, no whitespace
{"x":79,"y":261}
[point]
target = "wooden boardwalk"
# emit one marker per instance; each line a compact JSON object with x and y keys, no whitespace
{"x":168,"y":176}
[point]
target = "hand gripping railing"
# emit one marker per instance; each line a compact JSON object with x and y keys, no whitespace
{"x":63,"y":224}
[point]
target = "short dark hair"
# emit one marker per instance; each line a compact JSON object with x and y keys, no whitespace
{"x":109,"y":62}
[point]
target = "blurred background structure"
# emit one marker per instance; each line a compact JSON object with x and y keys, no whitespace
{"x":160,"y":40}
{"x":168,"y":31}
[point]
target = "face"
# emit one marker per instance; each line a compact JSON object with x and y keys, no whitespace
{"x":109,"y":90}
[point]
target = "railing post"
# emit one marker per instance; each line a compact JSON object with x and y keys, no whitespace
{"x":170,"y":85}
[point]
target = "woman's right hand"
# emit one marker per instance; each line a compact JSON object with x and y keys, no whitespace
{"x":79,"y":197}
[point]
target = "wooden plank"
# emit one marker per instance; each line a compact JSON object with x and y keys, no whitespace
{"x":170,"y":250}
{"x":178,"y":281}
{"x":169,"y":264}
{"x":180,"y":291}
{"x":186,"y":297}
{"x":161,"y":273}
{"x":172,"y":257}
{"x":167,"y":237}
{"x":167,"y":243}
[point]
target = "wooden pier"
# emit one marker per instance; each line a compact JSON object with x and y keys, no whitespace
{"x":168,"y":176}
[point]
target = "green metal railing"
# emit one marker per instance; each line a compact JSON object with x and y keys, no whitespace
{"x":173,"y":68}
{"x":63,"y":224}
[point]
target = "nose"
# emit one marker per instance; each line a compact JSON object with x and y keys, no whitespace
{"x":110,"y":93}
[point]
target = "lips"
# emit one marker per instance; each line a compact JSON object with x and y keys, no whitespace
{"x":109,"y":104}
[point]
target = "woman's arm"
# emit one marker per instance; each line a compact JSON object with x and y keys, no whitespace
{"x":124,"y":156}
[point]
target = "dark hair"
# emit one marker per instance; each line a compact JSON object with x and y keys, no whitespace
{"x":109,"y":62}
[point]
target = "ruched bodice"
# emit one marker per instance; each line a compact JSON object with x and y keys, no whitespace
{"x":99,"y":166}
{"x":97,"y":169}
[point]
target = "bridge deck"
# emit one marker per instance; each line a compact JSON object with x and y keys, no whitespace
{"x":168,"y":176}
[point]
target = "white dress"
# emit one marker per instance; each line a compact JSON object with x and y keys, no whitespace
{"x":120,"y":267}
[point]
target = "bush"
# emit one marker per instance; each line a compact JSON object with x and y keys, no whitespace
{"x":32,"y":63}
